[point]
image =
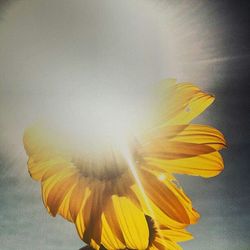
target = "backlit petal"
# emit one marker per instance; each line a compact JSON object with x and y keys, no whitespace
{"x":132,"y":223}
{"x":206,"y":165}
{"x":163,"y":197}
{"x":182,"y":103}
{"x":176,"y":235}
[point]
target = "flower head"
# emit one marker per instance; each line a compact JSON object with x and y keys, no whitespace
{"x":125,"y":195}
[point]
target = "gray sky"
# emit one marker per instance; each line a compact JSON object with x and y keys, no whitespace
{"x":55,"y":53}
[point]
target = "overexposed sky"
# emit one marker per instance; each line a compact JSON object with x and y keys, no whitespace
{"x":56,"y":52}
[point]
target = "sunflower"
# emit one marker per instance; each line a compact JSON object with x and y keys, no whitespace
{"x":126,"y":196}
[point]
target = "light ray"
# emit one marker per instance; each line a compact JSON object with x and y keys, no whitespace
{"x":131,"y":165}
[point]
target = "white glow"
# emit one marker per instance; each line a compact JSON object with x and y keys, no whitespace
{"x":63,"y":55}
{"x":105,"y":120}
{"x":162,"y":177}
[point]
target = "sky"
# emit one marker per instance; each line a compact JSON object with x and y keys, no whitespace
{"x":58,"y":55}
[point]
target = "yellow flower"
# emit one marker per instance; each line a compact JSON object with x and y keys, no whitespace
{"x":122,"y":199}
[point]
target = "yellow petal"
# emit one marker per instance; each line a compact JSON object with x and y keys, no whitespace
{"x":150,"y":209}
{"x":37,"y":170}
{"x":59,"y":191}
{"x":112,"y":220}
{"x":176,"y":235}
{"x":57,"y":170}
{"x":42,"y":143}
{"x":79,"y":221}
{"x":202,"y":135}
{"x":92,"y":221}
{"x":171,"y":183}
{"x":132,"y":223}
{"x":50,"y":183}
{"x":163,"y":197}
{"x":164,"y":244}
{"x":93,"y":209}
{"x":109,"y":239}
{"x":78,"y":197}
{"x":193,"y":133}
{"x":183,"y":103}
{"x":37,"y":138}
{"x":194,"y":106}
{"x":64,"y":210}
{"x":186,"y":202}
{"x":206,"y":165}
{"x":174,"y":150}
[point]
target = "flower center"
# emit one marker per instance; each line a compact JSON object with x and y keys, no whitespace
{"x":152,"y":230}
{"x":108,"y":164}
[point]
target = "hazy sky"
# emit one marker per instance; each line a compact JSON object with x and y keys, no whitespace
{"x":55,"y":54}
